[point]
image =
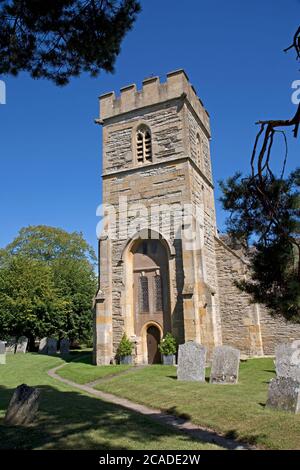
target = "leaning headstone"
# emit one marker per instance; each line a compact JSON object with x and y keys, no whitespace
{"x":64,"y":347}
{"x":2,"y":353}
{"x":11,"y":344}
{"x":225,"y":365}
{"x":284,"y":394}
{"x":23,"y":406}
{"x":22,"y":344}
{"x":191,"y":362}
{"x":287,"y":361}
{"x":51,"y":346}
{"x":43,"y":346}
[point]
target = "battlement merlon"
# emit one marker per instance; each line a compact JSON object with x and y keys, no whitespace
{"x":153,"y":92}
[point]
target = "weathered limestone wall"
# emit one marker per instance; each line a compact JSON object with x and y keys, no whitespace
{"x":247,"y":326}
{"x":275,"y":330}
{"x":179,"y":173}
{"x":202,"y":196}
{"x":240,"y":318}
{"x":166,"y":131}
{"x":147,"y":186}
{"x":202,"y":158}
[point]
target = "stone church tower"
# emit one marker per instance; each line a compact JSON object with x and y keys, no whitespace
{"x":158,"y":265}
{"x":163,"y":267}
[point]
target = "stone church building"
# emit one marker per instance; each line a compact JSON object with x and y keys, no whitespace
{"x":154,"y":280}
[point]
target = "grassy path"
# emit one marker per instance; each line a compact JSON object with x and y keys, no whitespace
{"x":70,"y":418}
{"x":179,"y":424}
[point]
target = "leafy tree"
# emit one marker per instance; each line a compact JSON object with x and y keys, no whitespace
{"x":272,"y":240}
{"x":30,"y":304}
{"x":48,"y":244}
{"x":71,"y":262}
{"x":60,"y":39}
{"x":76,"y":281}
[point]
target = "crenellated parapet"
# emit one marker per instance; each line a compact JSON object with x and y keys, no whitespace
{"x":153,"y":92}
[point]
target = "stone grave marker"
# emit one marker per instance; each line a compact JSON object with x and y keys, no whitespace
{"x":51,"y":346}
{"x":225,"y":365}
{"x":64,"y":347}
{"x":284,"y":390}
{"x":191,"y":362}
{"x":23,"y":406}
{"x":287,"y":360}
{"x":2,"y":353}
{"x":22,"y":344}
{"x":11,"y":344}
{"x":284,"y":394}
{"x":43,"y":346}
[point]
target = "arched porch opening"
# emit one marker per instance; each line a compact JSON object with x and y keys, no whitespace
{"x":146,"y":295}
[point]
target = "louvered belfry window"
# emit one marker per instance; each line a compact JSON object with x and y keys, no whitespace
{"x":143,"y":145}
{"x":143,"y":294}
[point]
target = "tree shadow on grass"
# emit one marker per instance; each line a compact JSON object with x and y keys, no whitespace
{"x":79,"y":357}
{"x":174,"y":411}
{"x":251,"y":439}
{"x":71,"y":420}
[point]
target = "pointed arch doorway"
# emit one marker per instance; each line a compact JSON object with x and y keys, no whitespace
{"x":153,"y":340}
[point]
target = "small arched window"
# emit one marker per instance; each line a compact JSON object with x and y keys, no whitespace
{"x":198,"y":150}
{"x":143,"y":145}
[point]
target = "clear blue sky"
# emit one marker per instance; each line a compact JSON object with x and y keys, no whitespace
{"x":50,"y":148}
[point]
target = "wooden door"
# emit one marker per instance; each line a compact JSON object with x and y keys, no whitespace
{"x":153,"y":340}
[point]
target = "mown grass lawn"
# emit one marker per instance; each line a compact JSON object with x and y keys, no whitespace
{"x":70,"y":419}
{"x":235,"y":410}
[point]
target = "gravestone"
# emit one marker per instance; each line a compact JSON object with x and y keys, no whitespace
{"x":22,"y":344}
{"x":51,"y":346}
{"x":225,"y":365}
{"x":287,"y":361}
{"x":2,"y":353}
{"x":23,"y":406}
{"x":191,"y":362}
{"x":284,"y":394}
{"x":11,"y":344}
{"x":43,"y":346}
{"x":64,"y":347}
{"x":284,"y":390}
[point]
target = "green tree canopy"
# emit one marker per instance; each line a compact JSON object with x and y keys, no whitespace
{"x":30,"y":304}
{"x":57,"y":271}
{"x":59,"y":39}
{"x":48,"y":244}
